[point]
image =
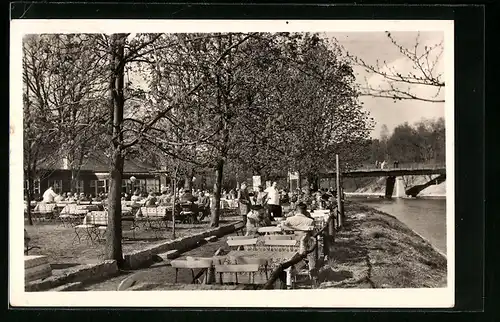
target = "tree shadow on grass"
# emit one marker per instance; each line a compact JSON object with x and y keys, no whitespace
{"x":141,"y":239}
{"x":330,"y":275}
{"x":348,"y":251}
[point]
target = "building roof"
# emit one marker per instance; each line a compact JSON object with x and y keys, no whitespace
{"x":101,"y":163}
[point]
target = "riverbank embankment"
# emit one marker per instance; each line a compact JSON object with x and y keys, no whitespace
{"x":376,"y":250}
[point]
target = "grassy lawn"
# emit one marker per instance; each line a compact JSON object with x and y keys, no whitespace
{"x":375,"y":250}
{"x":56,"y":242}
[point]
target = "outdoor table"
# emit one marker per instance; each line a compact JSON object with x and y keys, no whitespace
{"x":95,"y":224}
{"x":274,"y":259}
{"x":75,"y":208}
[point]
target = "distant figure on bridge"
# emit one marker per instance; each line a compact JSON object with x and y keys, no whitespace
{"x":382,"y":165}
{"x":376,"y":164}
{"x":396,"y":164}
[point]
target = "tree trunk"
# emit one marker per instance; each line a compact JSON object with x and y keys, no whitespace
{"x":116,"y":85}
{"x":73,"y":181}
{"x":114,"y":230}
{"x":29,"y":198}
{"x":215,"y":209}
{"x":188,"y":183}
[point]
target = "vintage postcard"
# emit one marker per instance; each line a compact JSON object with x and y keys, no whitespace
{"x":232,"y":163}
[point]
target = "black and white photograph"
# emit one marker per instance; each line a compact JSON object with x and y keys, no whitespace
{"x":231,"y":163}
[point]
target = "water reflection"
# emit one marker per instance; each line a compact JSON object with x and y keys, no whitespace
{"x":425,"y":216}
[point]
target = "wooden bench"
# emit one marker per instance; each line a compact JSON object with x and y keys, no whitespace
{"x":269,"y":230}
{"x":282,"y":245}
{"x":279,"y":237}
{"x":234,"y":270}
{"x":192,"y":264}
{"x":247,"y":244}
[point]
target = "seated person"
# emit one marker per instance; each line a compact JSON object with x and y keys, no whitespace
{"x":150,"y":200}
{"x":165,"y":199}
{"x":70,"y":197}
{"x":187,"y":197}
{"x":301,"y":220}
{"x":187,"y":201}
{"x":135,"y":197}
{"x":59,"y":198}
{"x":81,"y":197}
{"x":204,"y":205}
{"x":256,"y":217}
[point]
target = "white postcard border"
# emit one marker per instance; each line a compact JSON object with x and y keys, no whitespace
{"x":331,"y":298}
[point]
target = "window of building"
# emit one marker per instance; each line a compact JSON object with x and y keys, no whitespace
{"x":79,"y":186}
{"x":141,"y":185}
{"x":98,"y":186}
{"x":36,"y":186}
{"x":56,"y":186}
{"x":152,"y":185}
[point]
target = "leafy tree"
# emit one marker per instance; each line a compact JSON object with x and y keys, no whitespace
{"x":422,"y":142}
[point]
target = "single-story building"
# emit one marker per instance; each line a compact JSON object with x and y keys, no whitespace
{"x":93,"y":177}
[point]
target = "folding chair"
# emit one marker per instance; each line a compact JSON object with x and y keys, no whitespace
{"x":84,"y":232}
{"x":282,"y":245}
{"x":192,"y":265}
{"x":44,"y":211}
{"x":188,"y":213}
{"x":68,"y":216}
{"x":247,"y":244}
{"x":244,"y":260}
{"x":154,"y":219}
{"x":236,"y":270}
{"x":100,"y":221}
{"x":165,"y":214}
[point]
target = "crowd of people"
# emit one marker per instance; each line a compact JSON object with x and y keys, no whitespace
{"x":261,"y":207}
{"x":258,"y":207}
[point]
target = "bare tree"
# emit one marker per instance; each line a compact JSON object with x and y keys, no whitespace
{"x":399,"y":85}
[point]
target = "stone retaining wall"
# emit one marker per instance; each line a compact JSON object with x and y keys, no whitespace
{"x":81,"y":273}
{"x":144,"y":257}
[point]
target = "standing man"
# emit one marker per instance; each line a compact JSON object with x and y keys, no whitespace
{"x":273,"y":201}
{"x":49,"y":195}
{"x":261,"y":197}
{"x":244,"y":202}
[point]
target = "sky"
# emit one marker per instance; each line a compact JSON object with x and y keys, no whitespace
{"x":371,"y":46}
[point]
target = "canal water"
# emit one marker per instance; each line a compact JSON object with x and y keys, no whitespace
{"x":426,"y":217}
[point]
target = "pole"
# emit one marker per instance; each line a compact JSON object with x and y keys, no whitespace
{"x":174,"y":202}
{"x":339,"y":191}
